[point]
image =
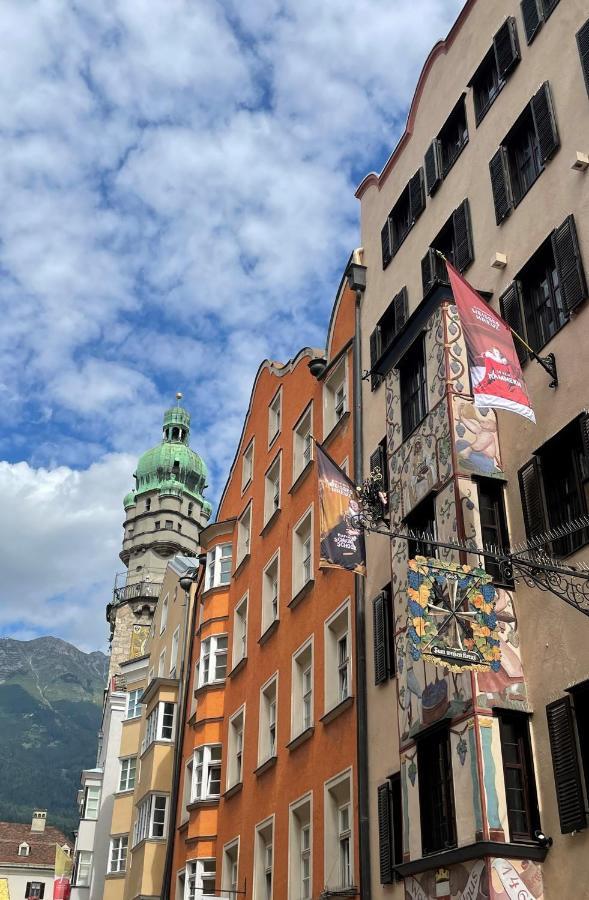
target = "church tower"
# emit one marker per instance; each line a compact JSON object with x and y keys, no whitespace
{"x":164,"y":515}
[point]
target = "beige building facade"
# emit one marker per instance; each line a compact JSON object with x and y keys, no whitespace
{"x":472,"y":771}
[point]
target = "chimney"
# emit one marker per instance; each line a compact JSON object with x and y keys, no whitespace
{"x":39,"y":819}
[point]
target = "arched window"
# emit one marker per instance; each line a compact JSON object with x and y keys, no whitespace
{"x":24,"y":849}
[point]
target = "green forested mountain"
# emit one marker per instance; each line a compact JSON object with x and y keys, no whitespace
{"x":50,"y":711}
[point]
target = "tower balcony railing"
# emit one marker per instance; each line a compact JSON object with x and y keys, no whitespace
{"x":137,"y":591}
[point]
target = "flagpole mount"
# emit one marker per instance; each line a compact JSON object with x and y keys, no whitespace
{"x":548,"y":363}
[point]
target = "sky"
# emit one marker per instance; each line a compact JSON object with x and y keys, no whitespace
{"x":177,"y":183}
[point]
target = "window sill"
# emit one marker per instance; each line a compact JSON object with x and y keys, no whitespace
{"x":214,"y":589}
{"x":447,"y":169}
{"x":273,"y":439}
{"x":157,"y":743}
{"x":213,"y":686}
{"x":479,"y":850}
{"x":518,"y":200}
{"x":266,"y":635}
{"x":405,"y":438}
{"x":245,"y":486}
{"x":301,"y":738}
{"x":237,"y":667}
{"x":306,"y":588}
{"x":483,"y":112}
{"x":301,"y":477}
{"x":268,"y":525}
{"x":266,"y":765}
{"x":112,"y":875}
{"x":337,"y":710}
{"x":337,"y":427}
{"x":234,"y":789}
{"x":124,"y":793}
{"x":241,"y":565}
{"x":202,"y":804}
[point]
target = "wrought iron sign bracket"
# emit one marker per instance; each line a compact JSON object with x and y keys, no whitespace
{"x":548,"y":363}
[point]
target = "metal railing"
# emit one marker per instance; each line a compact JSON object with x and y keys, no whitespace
{"x":136,"y":591}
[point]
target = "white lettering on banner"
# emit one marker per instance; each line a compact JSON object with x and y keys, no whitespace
{"x":511,"y":881}
{"x":415,"y":890}
{"x":338,"y":488}
{"x":484,"y":317}
{"x":471,"y":891}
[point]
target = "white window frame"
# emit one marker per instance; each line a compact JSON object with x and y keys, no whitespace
{"x":134,"y":708}
{"x":300,"y":820}
{"x":337,"y":381}
{"x":273,"y":487}
{"x":338,"y":794}
{"x":275,"y":417}
{"x":92,"y":793}
{"x":195,"y":876}
{"x":127,"y":769}
{"x":24,"y":846}
{"x":234,"y":773}
{"x":230,"y":869}
{"x":161,"y":666}
{"x":218,"y":567}
{"x":174,"y":651}
{"x":212,"y":654}
{"x":240,"y":616}
{"x":268,"y":720}
{"x":158,"y":726}
{"x":337,"y":626}
{"x":302,"y":442}
{"x":203,"y":765}
{"x":303,"y":551}
{"x":271,"y":592}
{"x":145,"y":819}
{"x":303,"y":659}
{"x":247,"y":465}
{"x":84,"y":863}
{"x":117,"y":853}
{"x":164,"y":617}
{"x":244,"y":534}
{"x":264,"y":859}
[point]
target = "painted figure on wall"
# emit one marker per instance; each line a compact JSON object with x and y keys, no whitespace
{"x":506,"y":686}
{"x":463,"y":882}
{"x":477,"y":442}
{"x":423,"y":471}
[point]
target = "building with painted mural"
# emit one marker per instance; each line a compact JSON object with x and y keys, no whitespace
{"x":268,"y":803}
{"x":476,"y":761}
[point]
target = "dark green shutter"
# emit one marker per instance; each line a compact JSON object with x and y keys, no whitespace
{"x":380,"y":637}
{"x":501,"y":185}
{"x":531,"y":17}
{"x":565,"y":762}
{"x":530,"y":485}
{"x":433,"y":166}
{"x":42,"y":891}
{"x":545,"y":122}
{"x":510,"y":308}
{"x":428,"y":270}
{"x":567,"y":256}
{"x":385,"y":240}
{"x":463,"y":252}
{"x":375,"y":379}
{"x":28,"y":889}
{"x":506,"y":47}
{"x":401,"y":309}
{"x":583,"y":45}
{"x":416,"y":195}
{"x":385,"y":837}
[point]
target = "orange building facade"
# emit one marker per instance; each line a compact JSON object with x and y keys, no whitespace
{"x":267,"y":801}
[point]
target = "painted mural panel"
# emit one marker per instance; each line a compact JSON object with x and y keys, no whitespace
{"x":476,"y":439}
{"x":516,"y":879}
{"x":506,"y":687}
{"x":468,"y":881}
{"x":139,"y":639}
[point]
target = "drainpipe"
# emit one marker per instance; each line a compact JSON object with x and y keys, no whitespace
{"x":184,"y":680}
{"x":357,"y":282}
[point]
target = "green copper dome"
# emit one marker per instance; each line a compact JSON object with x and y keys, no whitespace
{"x":129,"y":500}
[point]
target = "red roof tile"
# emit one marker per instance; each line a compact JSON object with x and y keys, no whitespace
{"x":42,"y":844}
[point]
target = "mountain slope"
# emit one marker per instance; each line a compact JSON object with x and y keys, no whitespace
{"x":50,"y":711}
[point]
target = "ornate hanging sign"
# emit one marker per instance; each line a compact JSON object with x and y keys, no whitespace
{"x":452,"y":620}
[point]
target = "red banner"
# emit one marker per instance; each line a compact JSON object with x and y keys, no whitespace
{"x":495,"y":371}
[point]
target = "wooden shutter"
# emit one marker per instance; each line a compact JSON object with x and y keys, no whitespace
{"x":400,"y":302}
{"x":501,"y":185}
{"x":42,"y":891}
{"x":544,"y":122}
{"x":548,"y":7}
{"x":584,"y":425}
{"x":565,"y":762}
{"x":385,"y":837}
{"x":28,"y":889}
{"x":378,"y":460}
{"x":510,"y":308}
{"x":416,"y":195}
{"x":385,"y":240}
{"x":530,"y":485}
{"x":433,"y":166}
{"x":506,"y":47}
{"x":531,"y":17}
{"x":375,"y":379}
{"x":567,"y":257}
{"x":379,"y":618}
{"x":583,"y":45}
{"x":463,"y":252}
{"x":428,"y":270}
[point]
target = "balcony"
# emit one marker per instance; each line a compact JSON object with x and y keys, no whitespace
{"x":137,"y":591}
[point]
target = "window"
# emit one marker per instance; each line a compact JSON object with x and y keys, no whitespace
{"x":157,"y":525}
{"x":583,"y":45}
{"x":117,"y":858}
{"x":263,"y":861}
{"x":270,"y":592}
{"x":300,"y":881}
{"x":151,"y":820}
{"x":169,"y":524}
{"x":189,"y":510}
{"x":161,"y":666}
{"x":378,"y":461}
{"x":148,"y":504}
{"x":206,"y":773}
{"x":338,"y":661}
{"x":520,"y":159}
{"x":554,"y":486}
{"x":413,"y":386}
{"x":174,"y":652}
{"x":302,"y":689}
{"x":240,"y":631}
{"x":338,"y":839}
{"x":127,"y":775}
{"x":268,"y":724}
{"x":244,"y":533}
{"x":160,"y":724}
{"x":24,"y":849}
{"x":335,"y":397}
{"x":200,"y":879}
{"x":230,"y":877}
{"x":235,"y":748}
{"x":35,"y":889}
{"x":493,"y":523}
{"x":247,"y":465}
{"x":212,"y":666}
{"x":383,"y":628}
{"x":436,"y":792}
{"x":455,"y":242}
{"x":518,"y":772}
{"x":390,"y":825}
{"x":445,"y":149}
{"x":274,"y":417}
{"x":218,"y":569}
{"x":303,"y":443}
{"x":492,"y":73}
{"x":302,"y":569}
{"x":422,"y":521}
{"x":164,"y":619}
{"x":91,"y":801}
{"x":272,"y":489}
{"x":403,"y":217}
{"x":568,"y":730}
{"x":83,"y":868}
{"x":534,"y":13}
{"x":385,"y":333}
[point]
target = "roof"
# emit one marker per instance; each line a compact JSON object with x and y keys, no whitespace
{"x":42,"y":844}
